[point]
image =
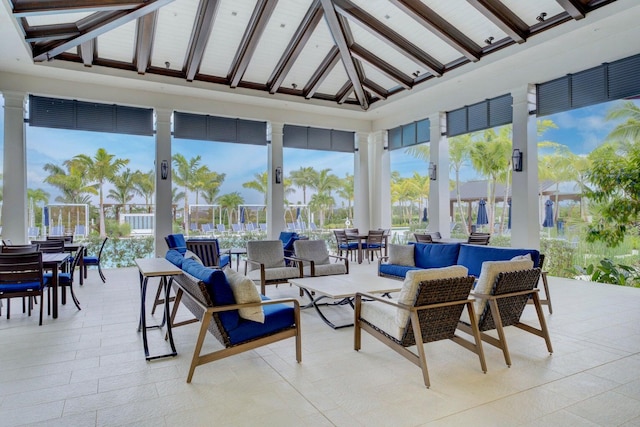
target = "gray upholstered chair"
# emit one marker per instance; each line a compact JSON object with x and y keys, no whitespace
{"x":316,"y":260}
{"x":266,"y":264}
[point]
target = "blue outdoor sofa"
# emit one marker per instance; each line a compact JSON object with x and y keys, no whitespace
{"x":403,"y":258}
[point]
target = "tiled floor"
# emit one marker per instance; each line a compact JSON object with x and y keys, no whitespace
{"x":87,"y":368}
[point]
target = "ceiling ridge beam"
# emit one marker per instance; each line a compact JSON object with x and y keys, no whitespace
{"x":145,"y":34}
{"x":502,"y":17}
{"x":338,"y":34}
{"x":112,"y":20}
{"x":389,"y":36}
{"x":25,"y":8}
{"x":205,"y":17}
{"x":326,"y":66}
{"x":439,"y":26}
{"x":574,"y":8}
{"x":295,"y":47}
{"x":257,"y":24}
{"x":384,"y":67}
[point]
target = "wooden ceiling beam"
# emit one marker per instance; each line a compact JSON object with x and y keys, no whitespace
{"x":344,"y":92}
{"x":145,"y":34}
{"x":257,"y":24}
{"x":88,"y":52}
{"x":384,"y":67}
{"x":433,"y":22}
{"x":25,"y":8}
{"x":108,"y":21}
{"x":48,"y":33}
{"x":574,"y":8}
{"x":389,"y":36}
{"x":337,"y":32}
{"x":205,"y":17}
{"x":378,"y":90}
{"x":503,"y":18}
{"x":321,"y":73}
{"x":295,"y":47}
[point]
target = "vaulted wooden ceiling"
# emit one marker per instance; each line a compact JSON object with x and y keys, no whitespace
{"x":342,"y":51}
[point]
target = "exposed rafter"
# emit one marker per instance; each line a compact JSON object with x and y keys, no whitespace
{"x":48,"y":33}
{"x":574,"y":8}
{"x":338,"y":35}
{"x":384,"y":67}
{"x":327,"y":65}
{"x":433,"y":22}
{"x":344,"y":92}
{"x":378,"y":90}
{"x":23,"y":8}
{"x":503,"y":18}
{"x":109,"y":21}
{"x":387,"y":35}
{"x":257,"y":24}
{"x":145,"y":33}
{"x":297,"y":43}
{"x":205,"y":17}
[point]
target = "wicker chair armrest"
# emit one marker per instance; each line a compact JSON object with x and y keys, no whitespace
{"x":373,"y":297}
{"x":511,"y":294}
{"x":222,"y":308}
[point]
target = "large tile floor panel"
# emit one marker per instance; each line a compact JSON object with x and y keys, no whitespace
{"x":87,"y":368}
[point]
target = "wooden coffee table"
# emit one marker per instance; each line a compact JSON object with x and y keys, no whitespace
{"x":342,"y":288}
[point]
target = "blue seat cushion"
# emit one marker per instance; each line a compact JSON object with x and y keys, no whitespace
{"x":19,"y":287}
{"x":435,"y":255}
{"x":396,"y":270}
{"x":175,"y":257}
{"x":218,"y":288}
{"x":63,"y":278}
{"x":472,"y":256}
{"x":177,"y":242}
{"x":276,"y":318}
{"x":224,"y":260}
{"x":348,"y":246}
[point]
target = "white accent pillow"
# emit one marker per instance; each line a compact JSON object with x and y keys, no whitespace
{"x":245,"y":291}
{"x":190,"y":255}
{"x":401,"y":255}
{"x":521,"y":257}
{"x":412,"y":280}
{"x":488,"y":274}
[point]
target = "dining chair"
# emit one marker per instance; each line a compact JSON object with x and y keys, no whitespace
{"x":20,"y":249}
{"x":50,"y":245}
{"x":423,"y":238}
{"x":21,"y":276}
{"x":95,"y":261}
{"x":374,"y":244}
{"x":343,"y":244}
{"x":65,"y":280}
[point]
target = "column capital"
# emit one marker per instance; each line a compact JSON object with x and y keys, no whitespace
{"x":15,"y":99}
{"x":163,"y":114}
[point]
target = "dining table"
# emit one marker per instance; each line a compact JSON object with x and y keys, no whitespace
{"x":53,"y":261}
{"x":361,"y":239}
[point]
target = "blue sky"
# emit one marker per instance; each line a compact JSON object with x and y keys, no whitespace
{"x":581,"y":130}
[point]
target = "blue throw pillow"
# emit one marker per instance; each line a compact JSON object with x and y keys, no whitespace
{"x":436,"y":255}
{"x":175,"y":257}
{"x":177,"y":242}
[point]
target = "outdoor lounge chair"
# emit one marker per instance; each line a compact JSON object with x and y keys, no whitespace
{"x":266,"y":264}
{"x":502,"y":293}
{"x":208,"y":251}
{"x":479,"y":239}
{"x":428,"y":309}
{"x":316,"y":260}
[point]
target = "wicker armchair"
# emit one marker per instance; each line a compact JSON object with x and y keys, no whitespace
{"x":503,"y":305}
{"x":433,"y":316}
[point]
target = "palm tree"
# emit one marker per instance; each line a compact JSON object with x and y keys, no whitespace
{"x":144,"y":185}
{"x":320,"y":202}
{"x":459,"y":147}
{"x":102,"y":168}
{"x":630,"y":129}
{"x":346,"y":191}
{"x":304,"y":178}
{"x":72,"y":183}
{"x":184,"y":175}
{"x":230,"y":202}
{"x":260,"y":184}
{"x":39,"y":197}
{"x":123,"y":191}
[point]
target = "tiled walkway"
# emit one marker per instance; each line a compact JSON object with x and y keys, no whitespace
{"x":87,"y":368}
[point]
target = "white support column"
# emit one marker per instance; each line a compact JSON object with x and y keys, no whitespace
{"x":14,"y":206}
{"x":525,"y":217}
{"x":379,"y":187}
{"x":439,"y":195}
{"x":361,"y":210}
{"x":164,"y":208}
{"x":275,"y":192}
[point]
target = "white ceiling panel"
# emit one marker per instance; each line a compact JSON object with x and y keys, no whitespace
{"x":334,"y":81}
{"x":118,"y":44}
{"x":528,"y":11}
{"x":171,"y":45}
{"x":315,"y":51}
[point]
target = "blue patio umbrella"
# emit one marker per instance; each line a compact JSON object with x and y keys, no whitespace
{"x":483,"y":218}
{"x":509,"y":221}
{"x":242,"y":215}
{"x":424,"y":215}
{"x":46,"y":216}
{"x":548,"y":214}
{"x":298,"y":213}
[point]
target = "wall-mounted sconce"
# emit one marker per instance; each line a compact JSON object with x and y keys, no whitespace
{"x":278,"y":174}
{"x":433,"y":171}
{"x":164,"y":169}
{"x":516,"y":160}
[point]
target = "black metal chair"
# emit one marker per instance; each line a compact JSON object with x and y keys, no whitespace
{"x":95,"y":261}
{"x":21,"y":276}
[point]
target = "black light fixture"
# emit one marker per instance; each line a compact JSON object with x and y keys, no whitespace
{"x":164,"y":169}
{"x":433,"y":171}
{"x":541,"y":17}
{"x":516,"y":160}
